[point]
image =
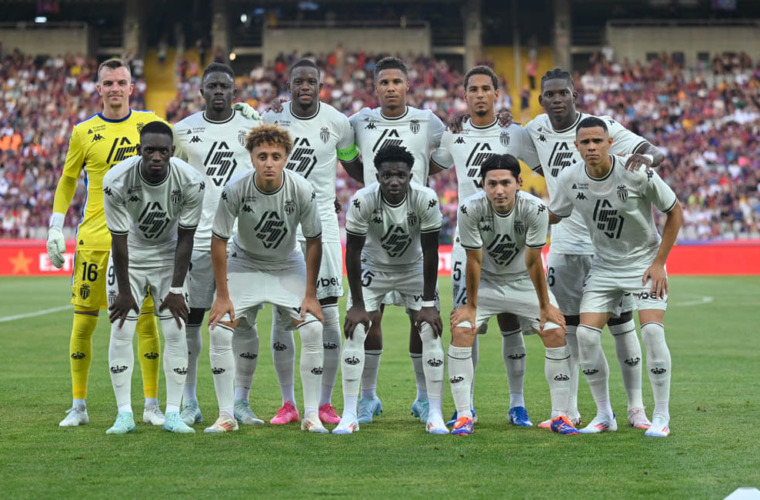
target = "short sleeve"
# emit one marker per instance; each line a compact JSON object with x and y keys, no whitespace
{"x":435,"y":130}
{"x":74,"y":156}
{"x":431,"y":219}
{"x":537,"y":219}
{"x":624,"y":141}
{"x":659,"y":193}
{"x":357,"y":221}
{"x":227,"y":211}
{"x":346,"y":147}
{"x":526,"y":149}
{"x":442,"y":156}
{"x":118,"y":219}
{"x":190,"y":215}
{"x":467,"y":223}
{"x":561,"y":205}
{"x":311,"y":224}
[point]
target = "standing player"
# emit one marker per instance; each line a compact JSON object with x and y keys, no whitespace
{"x":213,"y":141}
{"x":503,"y":230}
{"x":629,"y":259}
{"x":571,"y":251}
{"x":153,"y":204}
{"x":267,"y":266}
{"x":419,"y":131}
{"x":400,"y":223}
{"x":480,"y":138}
{"x":96,"y":145}
{"x":322,"y":136}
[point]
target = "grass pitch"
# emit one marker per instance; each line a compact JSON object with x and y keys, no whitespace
{"x":713,"y":448}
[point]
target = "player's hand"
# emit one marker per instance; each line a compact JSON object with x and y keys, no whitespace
{"x":56,"y":246}
{"x":462,"y":314}
{"x":310,"y":304}
{"x":220,"y":307}
{"x":276,"y":105}
{"x":635,"y":162}
{"x":456,"y":123}
{"x":355,"y":316}
{"x":338,"y":205}
{"x":122,"y":304}
{"x":553,"y":314}
{"x":175,"y":303}
{"x":505,"y":118}
{"x":431,"y":316}
{"x":659,"y":281}
{"x":246,"y":110}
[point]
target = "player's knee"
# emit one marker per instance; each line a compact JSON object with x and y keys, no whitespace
{"x":554,"y":337}
{"x":220,"y":339}
{"x":653,"y":336}
{"x":462,"y":336}
{"x":311,"y":336}
{"x":588,"y":336}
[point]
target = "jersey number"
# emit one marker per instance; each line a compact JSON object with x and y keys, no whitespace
{"x":89,"y":272}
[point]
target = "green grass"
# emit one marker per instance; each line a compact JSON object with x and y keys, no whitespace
{"x":713,"y":448}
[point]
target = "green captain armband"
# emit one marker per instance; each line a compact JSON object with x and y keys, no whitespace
{"x":349,"y":153}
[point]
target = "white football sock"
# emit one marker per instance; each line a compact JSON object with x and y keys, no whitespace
{"x":432,"y":364}
{"x":175,"y":361}
{"x":245,"y":349}
{"x":557,"y":371}
{"x":312,"y":357}
{"x":460,"y":377}
{"x":331,"y":344}
{"x":513,"y":353}
{"x":222,"y":366}
{"x":419,"y":375}
{"x":121,"y":362}
{"x":658,"y":365}
{"x":194,"y":346}
{"x":475,"y":354}
{"x":595,"y":368}
{"x":573,"y":363}
{"x":284,"y":355}
{"x":352,"y":366}
{"x":628,"y":352}
{"x":369,"y":375}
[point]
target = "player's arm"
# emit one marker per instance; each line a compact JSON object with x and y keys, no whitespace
{"x":357,"y":313}
{"x":347,"y":150}
{"x":124,"y":301}
{"x":175,"y":299}
{"x":560,"y":206}
{"x":536,"y":271}
{"x":313,"y":260}
{"x":429,"y":313}
{"x":354,"y":168}
{"x":222,"y":303}
{"x":665,"y":200}
{"x":467,"y":312}
{"x":64,"y":193}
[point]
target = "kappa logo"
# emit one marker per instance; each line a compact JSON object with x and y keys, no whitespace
{"x":456,"y":380}
{"x":580,"y":196}
{"x":542,"y":138}
{"x":107,"y":191}
{"x":541,"y":208}
{"x":220,"y":163}
{"x":134,"y":198}
{"x":516,"y":356}
{"x":121,"y":149}
{"x":271,"y":229}
{"x":502,"y":249}
{"x":153,"y":220}
{"x":357,"y":204}
{"x":389,"y":137}
{"x":84,"y":291}
{"x":435,"y":363}
{"x":632,"y":361}
{"x":97,"y":137}
{"x":432,"y":203}
{"x":353,"y":360}
{"x":195,"y":140}
{"x":479,"y":153}
{"x":561,"y":157}
{"x":302,"y":160}
{"x":180,"y":370}
{"x":217,"y":371}
{"x":414,"y":126}
{"x":370,"y":126}
{"x":561,"y":377}
{"x":460,"y":140}
{"x":395,"y":241}
{"x":279,"y":346}
{"x":650,"y":174}
{"x":248,"y":355}
{"x":118,"y":369}
{"x":247,"y":208}
{"x":463,"y":209}
{"x":590,"y":371}
{"x":150,"y":355}
{"x":78,"y":355}
{"x":317,"y":370}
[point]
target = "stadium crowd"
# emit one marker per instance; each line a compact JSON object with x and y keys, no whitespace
{"x":706,"y":120}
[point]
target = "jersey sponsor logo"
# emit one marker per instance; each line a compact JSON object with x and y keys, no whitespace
{"x":324,"y":134}
{"x":302,"y":160}
{"x":389,"y":137}
{"x":607,"y":219}
{"x":121,"y":149}
{"x":271,"y":229}
{"x":622,"y":193}
{"x":480,"y":153}
{"x":220,"y":163}
{"x":561,"y":157}
{"x":153,"y":220}
{"x":502,"y":249}
{"x":504,"y":138}
{"x":395,"y":241}
{"x":414,"y":126}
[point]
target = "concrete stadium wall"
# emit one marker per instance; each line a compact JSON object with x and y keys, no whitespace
{"x":46,"y":41}
{"x":635,"y":42}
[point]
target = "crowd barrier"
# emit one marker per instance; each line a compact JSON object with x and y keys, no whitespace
{"x":29,"y":258}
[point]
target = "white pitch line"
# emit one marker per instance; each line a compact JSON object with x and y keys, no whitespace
{"x":33,"y":314}
{"x":701,"y":300}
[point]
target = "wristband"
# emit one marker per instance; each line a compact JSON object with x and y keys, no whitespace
{"x":428,"y":303}
{"x":176,"y":290}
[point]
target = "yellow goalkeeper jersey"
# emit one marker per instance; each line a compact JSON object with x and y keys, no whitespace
{"x":96,"y":145}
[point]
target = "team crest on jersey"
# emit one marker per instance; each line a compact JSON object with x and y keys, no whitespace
{"x":395,"y":241}
{"x":411,"y":218}
{"x":176,"y":196}
{"x":290,"y":207}
{"x":140,"y":127}
{"x":84,"y":291}
{"x":622,"y":192}
{"x":153,"y":220}
{"x":414,"y":126}
{"x":324,"y":134}
{"x":504,"y":138}
{"x":519,"y":227}
{"x":111,"y":297}
{"x":271,"y":229}
{"x":377,"y":216}
{"x":242,"y":134}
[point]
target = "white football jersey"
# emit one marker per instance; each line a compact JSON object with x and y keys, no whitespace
{"x":151,"y":213}
{"x":468,"y":149}
{"x":417,"y":130}
{"x":556,"y":150}
{"x":503,"y":237}
{"x":217,"y":150}
{"x":267,"y":222}
{"x":393,"y":232}
{"x":617,"y":210}
{"x":318,"y":143}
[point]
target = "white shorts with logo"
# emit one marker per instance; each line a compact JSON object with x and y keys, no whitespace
{"x":200,"y":282}
{"x":249,"y":288}
{"x":458,"y":275}
{"x":565,"y":275}
{"x":154,"y":281}
{"x":518,"y":297}
{"x":603,"y":292}
{"x":330,"y":280}
{"x":406,"y":287}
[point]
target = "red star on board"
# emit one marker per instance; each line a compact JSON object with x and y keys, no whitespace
{"x":21,"y":263}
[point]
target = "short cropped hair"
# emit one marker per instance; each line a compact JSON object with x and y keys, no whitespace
{"x":393,"y":154}
{"x":114,"y":63}
{"x":500,"y":162}
{"x":591,"y":122}
{"x":156,"y":127}
{"x":557,"y":74}
{"x":217,"y":67}
{"x":305,"y":62}
{"x":481,"y":70}
{"x":268,"y":134}
{"x":391,"y":63}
